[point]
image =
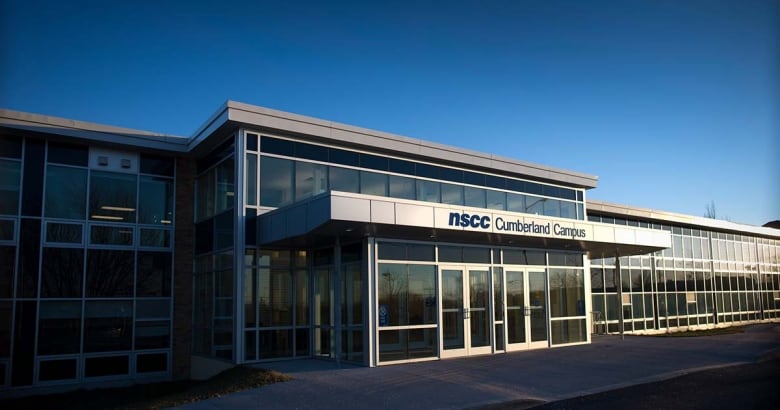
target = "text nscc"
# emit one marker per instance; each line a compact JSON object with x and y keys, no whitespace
{"x":469,"y":220}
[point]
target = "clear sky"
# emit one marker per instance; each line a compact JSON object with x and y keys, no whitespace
{"x":673,"y":104}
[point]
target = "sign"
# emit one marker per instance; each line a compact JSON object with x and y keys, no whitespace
{"x":515,"y":225}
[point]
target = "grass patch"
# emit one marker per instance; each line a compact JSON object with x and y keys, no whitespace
{"x":705,"y":332}
{"x":153,"y":395}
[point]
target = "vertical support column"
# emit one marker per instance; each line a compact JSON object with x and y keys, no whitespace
{"x":336,"y":306}
{"x":370,"y":330}
{"x":620,"y":294}
{"x":715,"y":292}
{"x":239,"y":180}
{"x":588,"y":296}
{"x":183,"y":272}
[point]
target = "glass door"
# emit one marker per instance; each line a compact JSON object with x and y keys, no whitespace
{"x":465,"y":311}
{"x":526,"y":309}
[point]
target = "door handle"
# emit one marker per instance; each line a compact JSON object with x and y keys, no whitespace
{"x":527,"y":311}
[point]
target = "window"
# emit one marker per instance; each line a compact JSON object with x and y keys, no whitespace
{"x":63,"y":233}
{"x":66,"y":192}
{"x":62,"y":272}
{"x":402,"y":187}
{"x":372,"y":183}
{"x":155,"y":204}
{"x":112,"y":197}
{"x":474,"y":197}
{"x":406,"y":291}
{"x":276,"y":181}
{"x":154,"y":274}
{"x":111,"y":235}
{"x":109,"y":273}
{"x":108,"y":326}
{"x":59,"y":327}
{"x":310,"y":179}
{"x":10,"y":173}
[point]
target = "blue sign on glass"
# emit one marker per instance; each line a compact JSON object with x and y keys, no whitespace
{"x":384,"y":315}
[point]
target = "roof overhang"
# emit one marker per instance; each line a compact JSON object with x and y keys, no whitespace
{"x":320,"y":220}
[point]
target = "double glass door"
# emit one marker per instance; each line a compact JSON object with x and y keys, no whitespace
{"x":526,"y":309}
{"x":465,"y":311}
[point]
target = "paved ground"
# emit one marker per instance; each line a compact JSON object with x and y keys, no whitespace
{"x":516,"y":379}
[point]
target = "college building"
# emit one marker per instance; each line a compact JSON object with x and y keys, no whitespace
{"x":130,"y":256}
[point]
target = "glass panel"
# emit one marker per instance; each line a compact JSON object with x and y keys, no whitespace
{"x":225,"y":190}
{"x":568,"y":331}
{"x":538,"y":305}
{"x":152,"y":164}
{"x":479,"y":292}
{"x":474,"y":197}
{"x":10,"y":181}
{"x":407,"y":344}
{"x":109,"y":273}
{"x":66,"y":192}
{"x":112,"y":196}
{"x":62,"y":272}
{"x":352,"y":296}
{"x":567,"y":293}
{"x":57,"y":370}
{"x":63,"y":233}
{"x":534,"y":205}
{"x":275,"y":343}
{"x":155,"y":204}
{"x":568,"y":210}
{"x":451,"y":194}
{"x":59,"y":327}
{"x":276,"y":181}
{"x":155,"y":238}
{"x":321,"y":302}
{"x":154,"y":274}
{"x":496,"y":200}
{"x":108,"y":325}
{"x":301,"y":297}
{"x":498,"y":295}
{"x":429,"y":191}
{"x":8,"y":256}
{"x":452,"y":309}
{"x":251,"y":179}
{"x":106,"y":366}
{"x":310,"y":179}
{"x":153,"y":335}
{"x":352,"y":345}
{"x":515,"y":305}
{"x":275,"y":292}
{"x":344,"y":180}
{"x":515,"y":202}
{"x":402,"y":187}
{"x":147,"y":363}
{"x":552,"y":207}
{"x":111,"y":235}
{"x":372,"y":183}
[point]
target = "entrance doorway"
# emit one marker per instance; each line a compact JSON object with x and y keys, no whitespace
{"x":526,"y":309}
{"x":465,"y":311}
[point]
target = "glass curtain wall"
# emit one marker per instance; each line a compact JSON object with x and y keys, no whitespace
{"x":90,"y":253}
{"x":705,"y":278}
{"x":214,"y":276}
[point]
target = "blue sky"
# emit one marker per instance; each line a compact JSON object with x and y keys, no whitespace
{"x":673,"y":104}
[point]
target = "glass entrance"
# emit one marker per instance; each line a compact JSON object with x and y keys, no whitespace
{"x":526,"y":309}
{"x":465,"y":310}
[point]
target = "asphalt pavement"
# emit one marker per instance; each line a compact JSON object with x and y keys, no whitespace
{"x":511,"y":380}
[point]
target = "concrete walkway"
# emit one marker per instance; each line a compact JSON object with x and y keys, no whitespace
{"x":546,"y":375}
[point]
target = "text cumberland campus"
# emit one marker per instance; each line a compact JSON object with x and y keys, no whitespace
{"x":131,"y":256}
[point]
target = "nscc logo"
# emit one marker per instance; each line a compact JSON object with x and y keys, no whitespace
{"x":469,"y":220}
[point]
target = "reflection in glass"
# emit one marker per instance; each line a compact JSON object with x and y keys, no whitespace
{"x":344,"y":180}
{"x":62,"y":272}
{"x":372,"y":183}
{"x":428,"y":191}
{"x":155,"y":204}
{"x":109,"y":273}
{"x":108,"y":326}
{"x":310,"y":179}
{"x":66,"y":192}
{"x":402,"y":187}
{"x":474,"y":197}
{"x":276,"y":181}
{"x":452,"y":194}
{"x":10,"y":177}
{"x":59,"y":327}
{"x":112,"y":197}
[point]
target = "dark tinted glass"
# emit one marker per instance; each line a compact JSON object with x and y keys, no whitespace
{"x":495,"y":182}
{"x":476,"y":255}
{"x":338,"y":156}
{"x":154,"y":274}
{"x":450,"y":254}
{"x":32,"y":190}
{"x":153,"y":334}
{"x":250,"y":227}
{"x":57,"y":370}
{"x":152,"y":164}
{"x":251,"y":142}
{"x":10,"y":147}
{"x":204,"y":236}
{"x":24,"y":343}
{"x":450,"y":174}
{"x":29,"y":243}
{"x":66,"y":192}
{"x":106,"y":366}
{"x":515,"y":257}
{"x":62,"y":272}
{"x":146,"y":363}
{"x":392,"y":251}
{"x":579,"y":195}
{"x":108,"y":325}
{"x":401,"y":166}
{"x":352,"y":252}
{"x":59,"y":327}
{"x":277,"y":146}
{"x":70,"y":154}
{"x":312,"y":152}
{"x":535,"y":257}
{"x":8,"y":256}
{"x":564,"y":259}
{"x":109,"y":273}
{"x":373,"y":162}
{"x":515,"y":185}
{"x":473,"y":178}
{"x":422,"y":253}
{"x":553,"y":191}
{"x":534,"y":188}
{"x":223,"y":151}
{"x":427,"y":171}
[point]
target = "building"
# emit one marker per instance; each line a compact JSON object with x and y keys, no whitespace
{"x":132,"y":256}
